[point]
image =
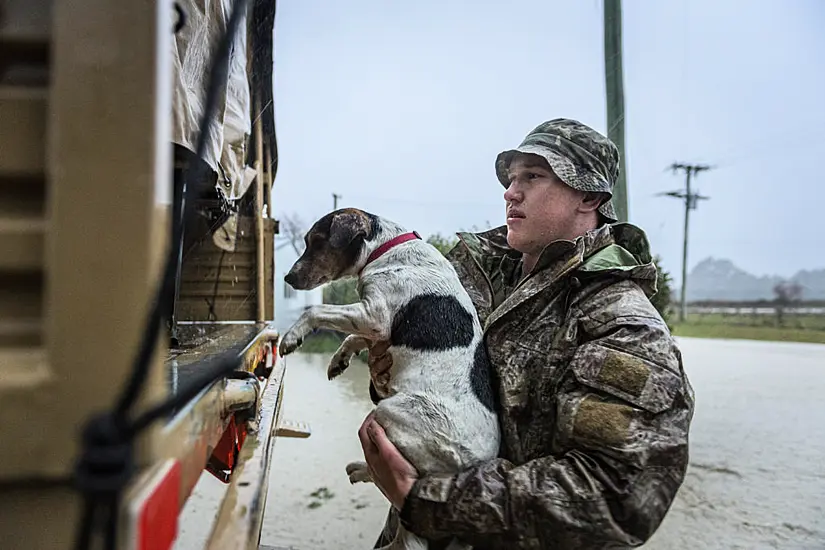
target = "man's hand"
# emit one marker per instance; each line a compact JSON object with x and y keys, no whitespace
{"x":390,"y":471}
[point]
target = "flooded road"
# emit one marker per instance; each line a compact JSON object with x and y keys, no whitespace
{"x":756,"y":479}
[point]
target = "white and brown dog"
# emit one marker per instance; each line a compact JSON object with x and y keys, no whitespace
{"x":438,"y":407}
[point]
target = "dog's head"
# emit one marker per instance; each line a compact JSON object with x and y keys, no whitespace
{"x":334,"y":248}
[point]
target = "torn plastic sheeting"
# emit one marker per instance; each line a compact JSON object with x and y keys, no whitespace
{"x":192,"y":55}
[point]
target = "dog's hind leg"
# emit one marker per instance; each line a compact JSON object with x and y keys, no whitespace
{"x":358,"y":472}
{"x":351,"y":345}
{"x":405,"y":540}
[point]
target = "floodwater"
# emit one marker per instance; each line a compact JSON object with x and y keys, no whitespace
{"x":756,"y":478}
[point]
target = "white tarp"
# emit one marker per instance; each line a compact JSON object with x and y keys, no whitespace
{"x":206,"y":21}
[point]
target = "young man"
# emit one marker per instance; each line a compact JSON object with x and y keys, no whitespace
{"x":594,"y":404}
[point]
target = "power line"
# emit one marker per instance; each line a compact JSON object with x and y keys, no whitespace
{"x":690,"y":199}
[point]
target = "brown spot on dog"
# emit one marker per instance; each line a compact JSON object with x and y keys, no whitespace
{"x":333,"y":245}
{"x":348,"y":225}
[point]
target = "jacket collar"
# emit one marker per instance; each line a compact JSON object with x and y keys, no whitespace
{"x":619,"y":250}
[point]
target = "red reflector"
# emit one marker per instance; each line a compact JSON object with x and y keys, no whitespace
{"x":221,"y":462}
{"x":158,"y":519}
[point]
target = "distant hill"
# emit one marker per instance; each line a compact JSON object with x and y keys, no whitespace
{"x":720,"y":279}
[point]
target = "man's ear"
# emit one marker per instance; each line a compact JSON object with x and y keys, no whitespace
{"x":592,"y":201}
{"x":346,"y":227}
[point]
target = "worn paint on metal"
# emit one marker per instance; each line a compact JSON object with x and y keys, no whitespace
{"x":194,"y":432}
{"x":239,"y":519}
{"x":151,"y":515}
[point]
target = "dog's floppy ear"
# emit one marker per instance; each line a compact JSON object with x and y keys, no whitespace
{"x":346,"y":227}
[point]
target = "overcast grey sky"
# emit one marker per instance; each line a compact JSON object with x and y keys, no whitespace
{"x":401,"y":107}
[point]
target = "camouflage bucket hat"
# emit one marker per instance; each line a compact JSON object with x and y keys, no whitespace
{"x":580,"y":156}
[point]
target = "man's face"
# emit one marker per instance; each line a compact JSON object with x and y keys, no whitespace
{"x":540,"y":207}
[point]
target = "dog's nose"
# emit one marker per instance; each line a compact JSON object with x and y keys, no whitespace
{"x":290,"y":279}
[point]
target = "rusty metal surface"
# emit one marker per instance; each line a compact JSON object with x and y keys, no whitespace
{"x":241,"y":395}
{"x":208,"y":340}
{"x":238,"y":523}
{"x":194,"y":431}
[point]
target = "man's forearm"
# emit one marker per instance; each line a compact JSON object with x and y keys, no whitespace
{"x":471,"y":504}
{"x":545,"y":501}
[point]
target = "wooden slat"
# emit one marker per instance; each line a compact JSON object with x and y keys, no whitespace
{"x":240,"y":264}
{"x":21,"y":295}
{"x":235,"y":298}
{"x":23,"y":139}
{"x":22,"y":196}
{"x":25,"y":20}
{"x":209,"y":274}
{"x":21,"y":333}
{"x":225,"y":291}
{"x":235,"y":310}
{"x":21,"y":244}
{"x":24,"y":63}
{"x":24,"y":58}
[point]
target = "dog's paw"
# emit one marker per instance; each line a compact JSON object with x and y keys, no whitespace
{"x":358,"y":472}
{"x":338,"y":364}
{"x":381,"y":382}
{"x":290,"y":342}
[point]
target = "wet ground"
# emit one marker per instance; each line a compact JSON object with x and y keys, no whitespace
{"x":756,"y":480}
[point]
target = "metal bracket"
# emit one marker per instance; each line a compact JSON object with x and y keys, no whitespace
{"x":291,"y":428}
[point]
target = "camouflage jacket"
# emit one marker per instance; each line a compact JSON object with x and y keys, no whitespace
{"x":595,"y":407}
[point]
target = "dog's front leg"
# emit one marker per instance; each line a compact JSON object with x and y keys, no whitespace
{"x":368,"y":320}
{"x":340,"y":360}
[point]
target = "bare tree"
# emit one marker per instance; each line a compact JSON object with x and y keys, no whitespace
{"x":786,"y":294}
{"x":292,"y":232}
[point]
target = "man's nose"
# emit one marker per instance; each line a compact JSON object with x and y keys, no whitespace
{"x":512,"y":194}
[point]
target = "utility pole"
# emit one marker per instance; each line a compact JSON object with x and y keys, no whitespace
{"x":335,"y":198}
{"x":614,"y":87}
{"x":690,"y":199}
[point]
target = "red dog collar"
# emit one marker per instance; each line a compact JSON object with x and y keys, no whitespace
{"x":391,"y":243}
